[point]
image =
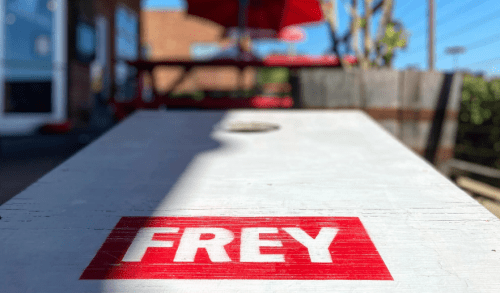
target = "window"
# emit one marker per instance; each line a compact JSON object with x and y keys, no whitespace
{"x":204,"y":51}
{"x":127,"y":34}
{"x":28,"y":97}
{"x":126,"y":49}
{"x":85,"y":41}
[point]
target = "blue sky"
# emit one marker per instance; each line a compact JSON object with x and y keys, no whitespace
{"x":474,"y":24}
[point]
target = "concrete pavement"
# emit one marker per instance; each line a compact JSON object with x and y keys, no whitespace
{"x":25,"y":159}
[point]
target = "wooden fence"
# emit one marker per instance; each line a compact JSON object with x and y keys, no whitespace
{"x":407,"y":103}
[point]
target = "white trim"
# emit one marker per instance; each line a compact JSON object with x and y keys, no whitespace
{"x":19,"y":123}
{"x":101,"y":23}
{"x":59,"y":80}
{"x":2,"y":59}
{"x":22,"y":124}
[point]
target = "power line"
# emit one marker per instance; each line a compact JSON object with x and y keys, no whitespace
{"x":474,"y":24}
{"x":423,"y":19}
{"x":483,"y":42}
{"x":446,"y":4}
{"x":485,"y":61}
{"x":467,"y":27}
{"x":453,"y":14}
{"x":407,"y":5}
{"x":422,"y":3}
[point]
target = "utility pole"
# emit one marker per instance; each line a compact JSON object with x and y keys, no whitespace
{"x":432,"y":29}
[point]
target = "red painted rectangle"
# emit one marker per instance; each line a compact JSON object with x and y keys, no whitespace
{"x":273,"y":248}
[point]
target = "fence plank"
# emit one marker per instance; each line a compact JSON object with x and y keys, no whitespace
{"x":403,"y":102}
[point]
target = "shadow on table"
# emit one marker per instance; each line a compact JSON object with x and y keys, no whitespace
{"x":146,"y":156}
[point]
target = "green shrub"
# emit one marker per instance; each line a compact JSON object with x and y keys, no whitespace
{"x":273,"y":75}
{"x":478,"y":135}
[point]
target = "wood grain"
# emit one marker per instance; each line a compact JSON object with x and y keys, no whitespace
{"x":430,"y":234}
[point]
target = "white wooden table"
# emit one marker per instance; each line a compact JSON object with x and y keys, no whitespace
{"x":173,"y":202}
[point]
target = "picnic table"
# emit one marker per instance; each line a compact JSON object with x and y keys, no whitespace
{"x":247,"y":201}
{"x":294,"y":63}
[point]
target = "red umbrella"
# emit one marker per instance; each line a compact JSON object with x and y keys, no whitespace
{"x":260,"y":14}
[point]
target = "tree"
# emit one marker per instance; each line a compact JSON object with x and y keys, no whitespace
{"x":395,"y":37}
{"x":374,"y":51}
{"x":479,"y":98}
{"x":328,"y":8}
{"x":478,"y":134}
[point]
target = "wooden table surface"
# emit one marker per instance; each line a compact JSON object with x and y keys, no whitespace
{"x":328,"y":202}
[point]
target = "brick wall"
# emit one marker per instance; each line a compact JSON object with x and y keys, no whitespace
{"x":170,"y":35}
